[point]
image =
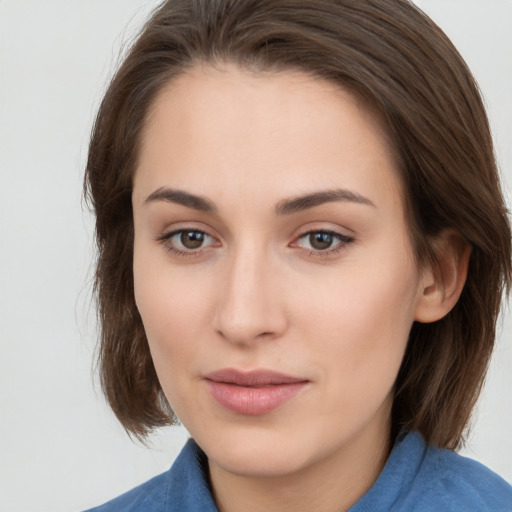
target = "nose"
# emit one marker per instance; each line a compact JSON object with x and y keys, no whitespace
{"x":250,"y":308}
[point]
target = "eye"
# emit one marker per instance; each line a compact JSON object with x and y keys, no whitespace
{"x":186,"y":241}
{"x":190,"y":239}
{"x":323,"y":241}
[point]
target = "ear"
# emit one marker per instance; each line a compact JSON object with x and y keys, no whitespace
{"x":442,"y":286}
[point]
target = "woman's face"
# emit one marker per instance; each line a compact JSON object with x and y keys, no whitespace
{"x":273,"y":269}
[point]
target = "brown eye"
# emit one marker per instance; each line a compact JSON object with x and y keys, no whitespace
{"x":321,"y":241}
{"x":186,"y":242}
{"x":191,"y":239}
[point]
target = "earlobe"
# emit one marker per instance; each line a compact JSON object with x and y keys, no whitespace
{"x":442,"y":286}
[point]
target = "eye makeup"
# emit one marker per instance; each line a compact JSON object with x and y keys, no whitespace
{"x":189,"y":242}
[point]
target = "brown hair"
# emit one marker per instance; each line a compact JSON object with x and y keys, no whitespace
{"x":392,"y":55}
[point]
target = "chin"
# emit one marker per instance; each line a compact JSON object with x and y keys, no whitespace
{"x":258,"y":461}
{"x":260,"y":452}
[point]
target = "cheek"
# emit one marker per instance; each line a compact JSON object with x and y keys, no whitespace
{"x":172,"y":310}
{"x":364,"y":322}
{"x":172,"y":316}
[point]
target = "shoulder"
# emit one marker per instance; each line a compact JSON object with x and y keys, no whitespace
{"x":149,"y":496}
{"x":422,"y":478}
{"x":458,"y":483}
{"x":184,"y":488}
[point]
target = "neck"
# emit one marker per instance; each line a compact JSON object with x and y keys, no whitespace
{"x":332,"y":484}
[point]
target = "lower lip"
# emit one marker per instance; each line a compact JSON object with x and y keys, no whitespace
{"x":253,"y":400}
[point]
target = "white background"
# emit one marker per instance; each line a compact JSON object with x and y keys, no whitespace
{"x":60,"y":447}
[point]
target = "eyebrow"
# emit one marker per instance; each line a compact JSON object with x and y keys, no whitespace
{"x":300,"y":203}
{"x":184,"y":198}
{"x":284,"y":207}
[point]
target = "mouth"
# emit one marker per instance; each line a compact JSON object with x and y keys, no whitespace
{"x":253,"y":393}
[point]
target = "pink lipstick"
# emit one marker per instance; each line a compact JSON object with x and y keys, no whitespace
{"x":252,"y":393}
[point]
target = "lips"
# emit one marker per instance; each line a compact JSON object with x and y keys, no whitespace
{"x":253,"y":393}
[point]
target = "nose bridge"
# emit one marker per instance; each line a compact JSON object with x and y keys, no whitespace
{"x":249,"y":306}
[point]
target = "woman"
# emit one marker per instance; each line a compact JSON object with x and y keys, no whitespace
{"x":302,"y":252}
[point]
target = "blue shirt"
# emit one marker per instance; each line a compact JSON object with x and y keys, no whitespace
{"x":416,"y":478}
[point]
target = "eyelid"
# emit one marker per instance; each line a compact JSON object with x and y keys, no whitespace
{"x":342,"y":241}
{"x":183,"y":225}
{"x":165,"y":239}
{"x":324,"y":227}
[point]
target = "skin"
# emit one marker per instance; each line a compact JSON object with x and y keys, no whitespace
{"x":256,"y":294}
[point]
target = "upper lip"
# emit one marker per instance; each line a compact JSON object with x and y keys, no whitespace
{"x":254,"y":378}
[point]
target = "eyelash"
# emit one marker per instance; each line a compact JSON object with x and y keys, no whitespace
{"x":166,"y":241}
{"x":343,"y":241}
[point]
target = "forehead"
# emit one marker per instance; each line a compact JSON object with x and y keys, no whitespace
{"x":247,"y":130}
